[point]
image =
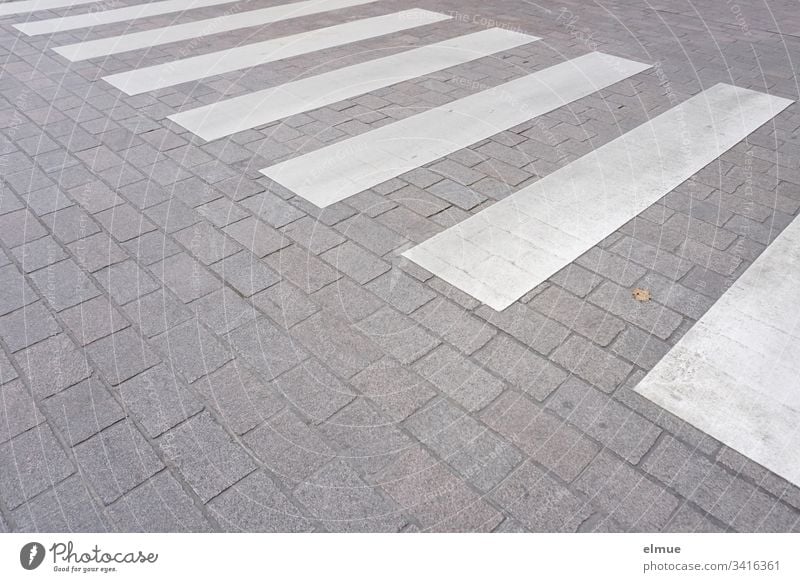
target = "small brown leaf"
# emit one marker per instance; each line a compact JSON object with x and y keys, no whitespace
{"x":641,"y":294}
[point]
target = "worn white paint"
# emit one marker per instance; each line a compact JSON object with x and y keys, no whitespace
{"x":9,"y":8}
{"x":89,"y":19}
{"x":227,"y":117}
{"x":243,"y":57}
{"x":201,"y":28}
{"x":345,"y":168}
{"x":736,"y":374}
{"x":503,"y":252}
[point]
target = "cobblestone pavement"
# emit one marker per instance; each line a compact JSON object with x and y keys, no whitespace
{"x":187,"y":346}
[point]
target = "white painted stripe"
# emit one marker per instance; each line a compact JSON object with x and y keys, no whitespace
{"x":8,"y":8}
{"x":503,"y":252}
{"x":736,"y":374}
{"x":247,"y":111}
{"x":243,"y":57}
{"x":89,"y":19}
{"x":333,"y":173}
{"x":201,"y":28}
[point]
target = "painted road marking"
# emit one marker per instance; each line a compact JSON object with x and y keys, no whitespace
{"x":503,"y":252}
{"x":157,"y":36}
{"x":243,"y":57}
{"x":247,"y":111}
{"x":335,"y":172}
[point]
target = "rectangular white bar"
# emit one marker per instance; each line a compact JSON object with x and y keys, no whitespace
{"x":333,"y":173}
{"x":503,"y":252}
{"x":736,"y":374}
{"x":157,"y":36}
{"x":89,"y":19}
{"x":243,"y":57}
{"x":9,"y":8}
{"x":247,"y":111}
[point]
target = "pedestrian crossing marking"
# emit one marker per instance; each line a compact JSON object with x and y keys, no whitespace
{"x":95,"y":18}
{"x":504,"y":251}
{"x":201,"y":28}
{"x":242,"y":57}
{"x":736,"y":373}
{"x":247,"y":111}
{"x":9,"y":8}
{"x":335,"y":172}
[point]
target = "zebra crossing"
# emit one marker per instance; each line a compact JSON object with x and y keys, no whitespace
{"x":503,"y":252}
{"x":732,"y":375}
{"x":242,"y":57}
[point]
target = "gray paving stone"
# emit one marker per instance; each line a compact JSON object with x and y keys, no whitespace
{"x":94,"y":196}
{"x":158,"y":505}
{"x":462,"y":196}
{"x":520,"y":366}
{"x":370,"y":234}
{"x":246,"y":273}
{"x":676,"y":296}
{"x":394,"y":388}
{"x":117,"y":460}
{"x":539,"y":502}
{"x":314,"y":391}
{"x":338,"y":345}
{"x":302,"y":268}
{"x":611,"y":266}
{"x":344,"y":503}
{"x":172,"y":215}
{"x":126,"y":281}
{"x":27,"y":326}
{"x":598,"y":367}
{"x":260,"y":238}
{"x":455,"y":324}
{"x":32,"y":461}
{"x":68,"y":507}
{"x":222,"y":212}
{"x":399,"y":336}
{"x":356,"y":262}
{"x":285,"y":304}
{"x":187,"y":278}
{"x":124,"y":222}
{"x":93,"y":319}
{"x":313,"y":235}
{"x":70,"y":224}
{"x":19,"y":412}
{"x":241,"y":398}
{"x":14,"y":290}
{"x":39,"y":253}
{"x":158,"y":400}
{"x":640,"y":347}
{"x":121,"y":355}
{"x":288,"y":447}
{"x":206,"y":457}
{"x":465,"y":382}
{"x":267,"y":348}
{"x":625,"y":494}
{"x":347,"y":301}
{"x":648,"y":315}
{"x":156,"y":312}
{"x":52,"y":365}
{"x":526,"y":325}
{"x":578,"y":314}
{"x":97,"y":251}
{"x":223,"y":310}
{"x":547,"y":439}
{"x":82,"y":410}
{"x":403,"y":292}
{"x":256,"y":504}
{"x":191,"y":350}
{"x":365,"y":436}
{"x":20,"y":227}
{"x":271,"y":209}
{"x":64,"y":284}
{"x":689,"y":520}
{"x":434,"y":496}
{"x":206,"y":243}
